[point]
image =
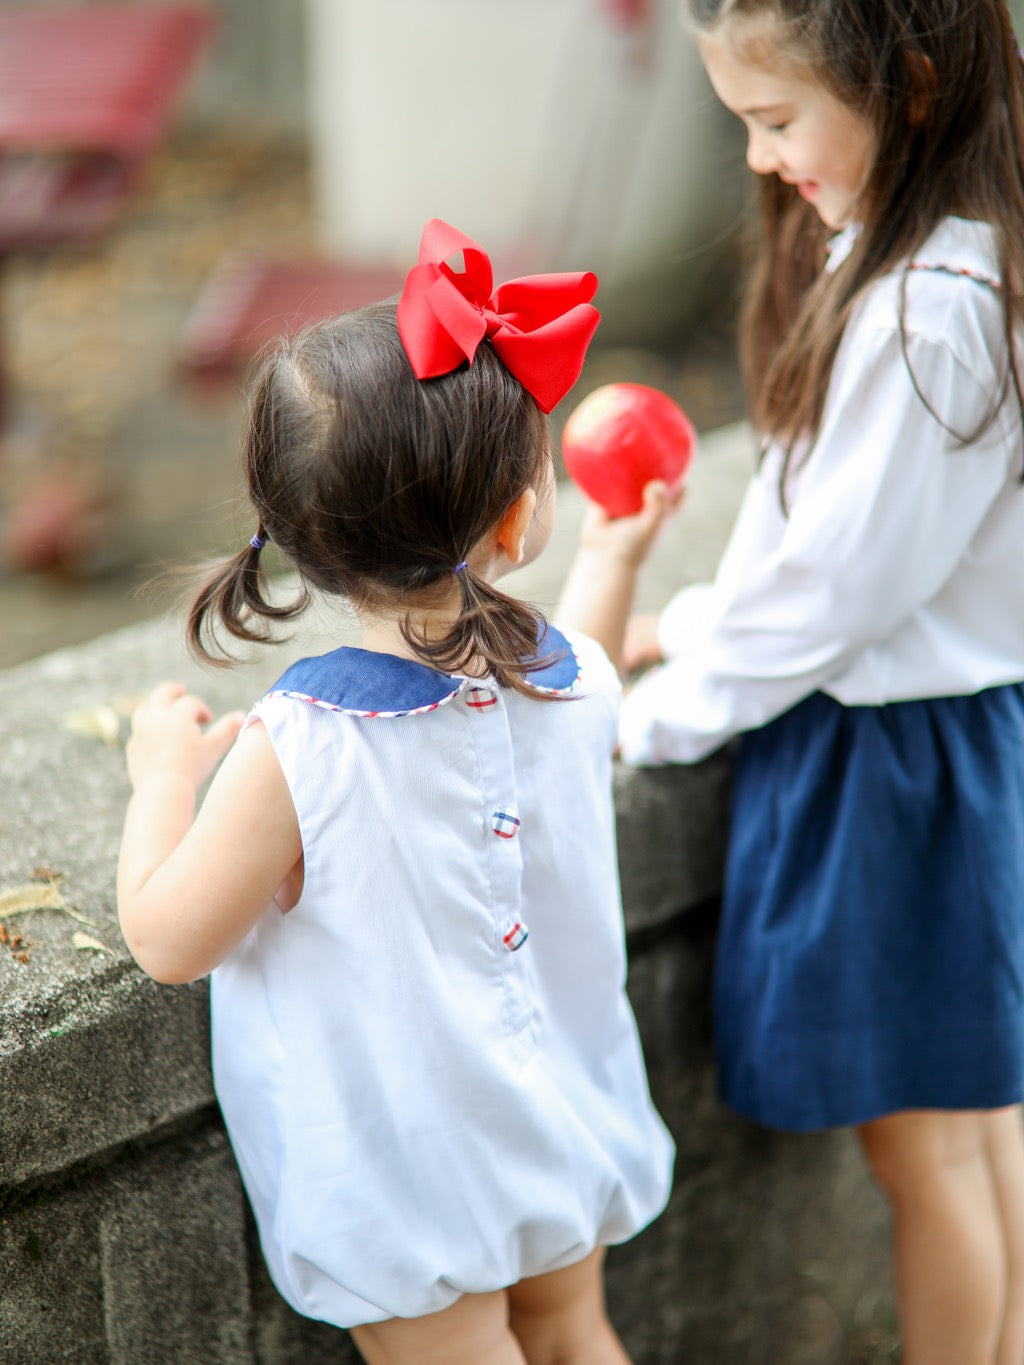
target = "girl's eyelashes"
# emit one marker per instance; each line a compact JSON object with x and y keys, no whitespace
{"x":757,"y":122}
{"x":773,"y":122}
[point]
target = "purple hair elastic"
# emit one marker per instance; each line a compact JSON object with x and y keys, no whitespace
{"x":463,"y":564}
{"x":258,"y":541}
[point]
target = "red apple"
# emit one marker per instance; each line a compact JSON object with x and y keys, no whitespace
{"x":620,"y":438}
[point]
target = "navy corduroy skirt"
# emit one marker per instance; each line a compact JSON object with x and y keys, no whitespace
{"x":871,"y":949}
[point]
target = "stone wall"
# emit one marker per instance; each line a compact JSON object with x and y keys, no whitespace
{"x":124,"y":1234}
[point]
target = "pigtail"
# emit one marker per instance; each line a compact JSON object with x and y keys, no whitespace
{"x":236,"y":598}
{"x":493,"y":629}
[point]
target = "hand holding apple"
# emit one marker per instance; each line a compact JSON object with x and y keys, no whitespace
{"x":620,"y":438}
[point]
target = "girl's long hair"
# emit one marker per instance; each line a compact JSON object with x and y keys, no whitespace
{"x":375,"y":486}
{"x":941,"y":84}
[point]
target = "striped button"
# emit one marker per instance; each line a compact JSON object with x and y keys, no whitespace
{"x":505,"y":824}
{"x":479,"y":698}
{"x":515,"y":936}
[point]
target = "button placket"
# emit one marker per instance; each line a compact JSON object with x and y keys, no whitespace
{"x":503,"y":849}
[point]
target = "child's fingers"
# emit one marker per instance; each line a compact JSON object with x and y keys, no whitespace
{"x":167,"y":695}
{"x":154,"y":708}
{"x":196,"y":709}
{"x":655,"y":504}
{"x":173,"y":740}
{"x":174,"y":694}
{"x":164,"y":693}
{"x":659,"y":500}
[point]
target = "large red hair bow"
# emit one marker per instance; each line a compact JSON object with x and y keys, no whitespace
{"x":539,"y":325}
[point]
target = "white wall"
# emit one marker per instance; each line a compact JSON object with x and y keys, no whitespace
{"x":537,"y":126}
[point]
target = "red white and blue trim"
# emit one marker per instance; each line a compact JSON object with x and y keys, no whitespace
{"x":360,"y":682}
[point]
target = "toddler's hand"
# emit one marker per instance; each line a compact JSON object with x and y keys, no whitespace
{"x":168,"y":736}
{"x":641,"y":647}
{"x":629,"y":539}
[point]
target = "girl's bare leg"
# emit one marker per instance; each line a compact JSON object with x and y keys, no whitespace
{"x":1006,"y":1161}
{"x":952,"y":1255}
{"x":560,"y":1318}
{"x":473,"y":1331}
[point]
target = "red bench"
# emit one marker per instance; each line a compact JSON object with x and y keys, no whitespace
{"x":86,"y":94}
{"x":248,"y":301}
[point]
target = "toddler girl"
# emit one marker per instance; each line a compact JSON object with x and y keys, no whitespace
{"x":403,"y":875}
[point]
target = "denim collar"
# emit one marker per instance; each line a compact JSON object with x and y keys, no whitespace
{"x":365,"y":683}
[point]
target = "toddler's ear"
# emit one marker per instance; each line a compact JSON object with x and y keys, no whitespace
{"x":922,"y":81}
{"x":513,"y":526}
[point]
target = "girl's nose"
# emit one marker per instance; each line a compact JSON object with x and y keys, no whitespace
{"x":760,"y":157}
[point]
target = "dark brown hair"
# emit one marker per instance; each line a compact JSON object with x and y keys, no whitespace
{"x":375,"y":486}
{"x":940,"y":83}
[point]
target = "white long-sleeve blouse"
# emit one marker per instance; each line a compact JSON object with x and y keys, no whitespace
{"x":898,"y":572}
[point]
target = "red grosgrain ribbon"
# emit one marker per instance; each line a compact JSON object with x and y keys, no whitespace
{"x":539,"y":325}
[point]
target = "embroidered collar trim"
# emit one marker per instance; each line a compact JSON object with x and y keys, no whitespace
{"x":958,"y":246}
{"x":361,"y":682}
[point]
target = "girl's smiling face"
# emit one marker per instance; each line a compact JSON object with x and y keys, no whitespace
{"x":796,"y":128}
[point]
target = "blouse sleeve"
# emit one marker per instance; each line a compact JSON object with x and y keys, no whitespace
{"x":883,"y":511}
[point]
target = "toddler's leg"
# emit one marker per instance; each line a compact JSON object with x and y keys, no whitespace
{"x":560,"y":1319}
{"x":952,"y":1251}
{"x":473,"y":1331}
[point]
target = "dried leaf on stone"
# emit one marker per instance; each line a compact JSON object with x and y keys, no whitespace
{"x":96,"y":722}
{"x":24,"y":900}
{"x":86,"y":943}
{"x":104,"y":722}
{"x":21,"y":900}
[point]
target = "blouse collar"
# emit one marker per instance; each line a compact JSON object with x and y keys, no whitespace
{"x":840,"y":246}
{"x":363,"y":682}
{"x":958,"y":246}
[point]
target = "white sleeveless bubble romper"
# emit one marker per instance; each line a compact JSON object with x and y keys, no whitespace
{"x":428,"y":1068}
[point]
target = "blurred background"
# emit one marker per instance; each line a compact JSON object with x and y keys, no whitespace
{"x":179,"y":182}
